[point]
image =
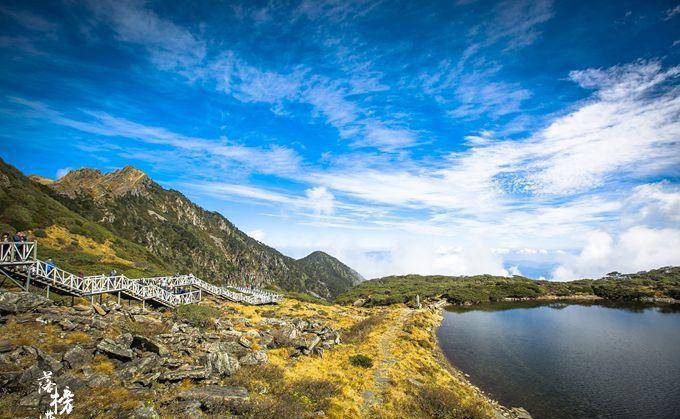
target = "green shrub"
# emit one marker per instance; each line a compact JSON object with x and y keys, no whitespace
{"x":197,"y":315}
{"x":444,"y":403}
{"x":360,"y":360}
{"x":360,"y":330}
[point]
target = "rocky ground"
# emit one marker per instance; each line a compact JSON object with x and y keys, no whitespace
{"x":221,"y":359}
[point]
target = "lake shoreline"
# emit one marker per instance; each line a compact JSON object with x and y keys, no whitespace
{"x":444,"y":362}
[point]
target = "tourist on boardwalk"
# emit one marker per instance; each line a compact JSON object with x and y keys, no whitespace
{"x":18,"y":240}
{"x":113,"y":273}
{"x":49,"y":266}
{"x":6,"y":247}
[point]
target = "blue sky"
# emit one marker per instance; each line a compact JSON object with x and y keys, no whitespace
{"x":532,"y":137}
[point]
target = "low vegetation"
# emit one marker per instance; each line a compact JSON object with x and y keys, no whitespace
{"x":659,"y":283}
{"x":197,"y":315}
{"x":360,"y":360}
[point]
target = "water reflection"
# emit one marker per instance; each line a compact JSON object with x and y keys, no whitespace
{"x":563,"y":360}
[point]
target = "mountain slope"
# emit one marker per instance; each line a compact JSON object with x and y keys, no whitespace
{"x":337,"y":276}
{"x":75,"y":243}
{"x":173,"y":228}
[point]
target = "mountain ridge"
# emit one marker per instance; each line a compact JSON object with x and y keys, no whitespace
{"x":130,"y":204}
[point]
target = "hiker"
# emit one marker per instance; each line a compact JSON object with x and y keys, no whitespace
{"x":113,"y":273}
{"x":49,"y":266}
{"x":18,"y":240}
{"x":6,"y":246}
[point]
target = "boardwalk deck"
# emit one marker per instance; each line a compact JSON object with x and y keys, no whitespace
{"x":19,"y":262}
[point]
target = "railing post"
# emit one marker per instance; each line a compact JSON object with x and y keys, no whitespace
{"x":28,"y":278}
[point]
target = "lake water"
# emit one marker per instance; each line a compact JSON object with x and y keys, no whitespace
{"x":570,"y":361}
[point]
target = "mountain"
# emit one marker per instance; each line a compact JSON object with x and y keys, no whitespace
{"x":74,"y":242}
{"x":171,"y":227}
{"x":337,"y":276}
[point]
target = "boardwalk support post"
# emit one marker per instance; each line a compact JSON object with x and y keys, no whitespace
{"x":118,"y":297}
{"x":48,"y":292}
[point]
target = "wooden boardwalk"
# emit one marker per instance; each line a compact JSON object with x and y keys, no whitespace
{"x":19,"y":263}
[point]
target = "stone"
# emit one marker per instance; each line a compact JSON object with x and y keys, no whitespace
{"x":70,"y":381}
{"x":98,"y":380}
{"x":191,"y":409}
{"x":76,"y":357}
{"x":359,"y":303}
{"x":148,"y":344}
{"x":223,"y":363}
{"x":520,"y":413}
{"x":143,"y":318}
{"x":254,"y":358}
{"x":47,"y":362}
{"x":138,"y":366}
{"x":144,"y":411}
{"x":307,"y":341}
{"x":114,"y":350}
{"x":5,"y":346}
{"x":194,"y":373}
{"x":21,"y":302}
{"x":213,"y":396}
{"x":99,"y":309}
{"x":148,"y":379}
{"x":66,"y":324}
{"x":245,"y":342}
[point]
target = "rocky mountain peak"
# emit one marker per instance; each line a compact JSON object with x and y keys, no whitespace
{"x":100,"y":186}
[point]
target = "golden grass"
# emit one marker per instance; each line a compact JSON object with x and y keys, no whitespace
{"x":405,"y":336}
{"x":60,"y":238}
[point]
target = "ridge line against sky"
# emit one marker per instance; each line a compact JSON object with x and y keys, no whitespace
{"x":514,"y":137}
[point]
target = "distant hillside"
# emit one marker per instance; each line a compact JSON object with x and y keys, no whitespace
{"x":663,"y":283}
{"x":337,"y":276}
{"x":75,"y":243}
{"x":186,"y":237}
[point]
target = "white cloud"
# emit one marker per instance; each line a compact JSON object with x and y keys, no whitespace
{"x":170,"y":46}
{"x":257,"y":234}
{"x":635,"y":249}
{"x":320,"y":200}
{"x":63,"y":172}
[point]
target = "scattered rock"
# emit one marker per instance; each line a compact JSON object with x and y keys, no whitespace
{"x":99,"y":309}
{"x":223,"y":363}
{"x":76,"y":356}
{"x":254,"y":358}
{"x":114,"y":350}
{"x":144,"y":412}
{"x":213,"y":396}
{"x":5,"y":346}
{"x":520,"y":413}
{"x":194,"y":373}
{"x":148,"y":344}
{"x":359,"y":303}
{"x":21,"y":302}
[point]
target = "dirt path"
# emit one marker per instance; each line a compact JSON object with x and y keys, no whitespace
{"x":381,"y":379}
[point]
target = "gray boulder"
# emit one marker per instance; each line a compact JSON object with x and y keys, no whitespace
{"x":254,"y":358}
{"x":148,"y":344}
{"x":21,"y":302}
{"x":212,"y":396}
{"x":193,"y":373}
{"x":223,"y":363}
{"x":76,"y":356}
{"x":115,"y":350}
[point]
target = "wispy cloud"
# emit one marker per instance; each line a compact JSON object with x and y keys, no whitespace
{"x":169,"y":45}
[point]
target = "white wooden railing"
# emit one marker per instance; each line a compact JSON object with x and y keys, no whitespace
{"x":22,"y":256}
